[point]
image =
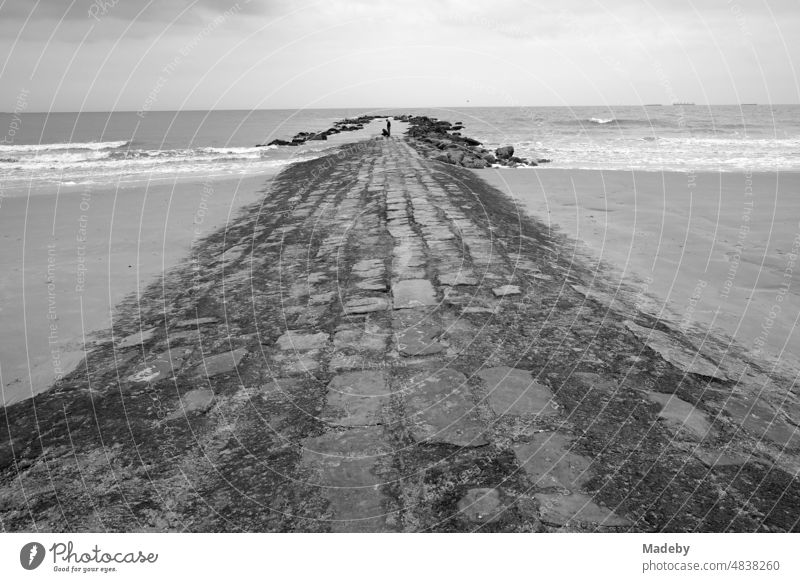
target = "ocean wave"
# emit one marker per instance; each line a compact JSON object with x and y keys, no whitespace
{"x":601,"y":121}
{"x":43,"y":147}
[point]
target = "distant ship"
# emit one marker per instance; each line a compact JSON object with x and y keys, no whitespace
{"x":683,"y":103}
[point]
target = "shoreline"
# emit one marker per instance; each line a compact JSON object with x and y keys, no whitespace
{"x":334,"y":317}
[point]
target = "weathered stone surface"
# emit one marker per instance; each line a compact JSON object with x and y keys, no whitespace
{"x":360,"y":339}
{"x":356,"y":399}
{"x":513,"y":391}
{"x":343,"y":467}
{"x":439,"y":410}
{"x":505,"y":290}
{"x":221,"y":363}
{"x":576,"y":508}
{"x":322,"y":298}
{"x":196,"y":322}
{"x":199,"y":400}
{"x":137,"y":338}
{"x":419,"y":340}
{"x":482,"y":505}
{"x":413,"y":293}
{"x":152,"y":371}
{"x":373,"y":284}
{"x":674,"y":353}
{"x":368,"y":266}
{"x":458,"y":278}
{"x":762,"y":421}
{"x":548,"y":461}
{"x":681,"y":415}
{"x":302,"y":341}
{"x":722,"y":458}
{"x":365,"y":305}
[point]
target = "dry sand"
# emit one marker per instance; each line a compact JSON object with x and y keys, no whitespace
{"x":715,"y":249}
{"x":69,"y":257}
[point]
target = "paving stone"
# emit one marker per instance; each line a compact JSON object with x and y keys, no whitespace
{"x":548,"y":461}
{"x":482,"y":505}
{"x":681,"y":415}
{"x":458,"y":278}
{"x":322,"y":298}
{"x":357,"y":399}
{"x":722,"y":458}
{"x":314,"y":278}
{"x":762,"y":421}
{"x":302,"y":341}
{"x":375,"y":284}
{"x":198,"y":400}
{"x":438,"y":409}
{"x":343,"y":465}
{"x":221,"y":363}
{"x":512,"y":391}
{"x":360,"y":339}
{"x":368,"y":266}
{"x":365,"y":305}
{"x":506,"y":290}
{"x":576,"y":508}
{"x":419,"y":340}
{"x":674,"y":353}
{"x":411,"y":293}
{"x":137,"y":338}
{"x":152,"y":371}
{"x":196,"y":322}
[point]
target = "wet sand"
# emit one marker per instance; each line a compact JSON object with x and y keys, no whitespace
{"x":715,"y":249}
{"x":69,"y":257}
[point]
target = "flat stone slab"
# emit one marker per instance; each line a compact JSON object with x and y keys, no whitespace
{"x":419,"y":340}
{"x":365,"y":305}
{"x":199,"y":400}
{"x":411,"y":293}
{"x":576,"y":508}
{"x":137,"y":338}
{"x":762,"y":421}
{"x":221,"y":363}
{"x":483,"y":505}
{"x":681,"y":415}
{"x":152,"y":371}
{"x":722,"y":458}
{"x":302,"y":341}
{"x":196,"y":322}
{"x":357,"y":399}
{"x":459,"y":278}
{"x":321,"y":298}
{"x":513,"y":391}
{"x":372,"y":284}
{"x":548,"y":461}
{"x":506,"y":290}
{"x":674,"y":353}
{"x":368,"y":266}
{"x":439,"y":411}
{"x":360,"y":340}
{"x":343,"y":466}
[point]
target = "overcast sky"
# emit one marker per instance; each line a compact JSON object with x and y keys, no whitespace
{"x":201,"y":54}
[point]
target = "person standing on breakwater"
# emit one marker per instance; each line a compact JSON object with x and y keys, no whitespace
{"x":388,"y":128}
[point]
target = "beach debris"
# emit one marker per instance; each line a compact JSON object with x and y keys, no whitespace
{"x":481,"y":505}
{"x":674,"y":353}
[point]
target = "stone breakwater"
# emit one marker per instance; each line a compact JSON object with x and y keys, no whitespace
{"x":384,"y":344}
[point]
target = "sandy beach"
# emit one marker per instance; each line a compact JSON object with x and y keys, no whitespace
{"x":712,"y":252}
{"x":69,"y":257}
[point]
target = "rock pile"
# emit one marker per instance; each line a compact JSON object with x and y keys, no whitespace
{"x":343,"y":125}
{"x":442,"y":141}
